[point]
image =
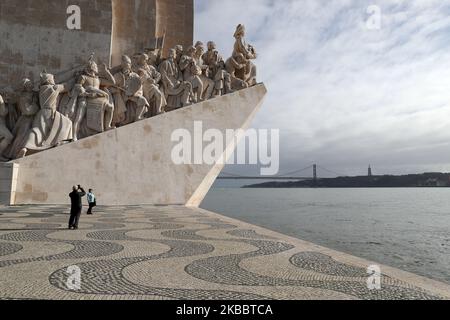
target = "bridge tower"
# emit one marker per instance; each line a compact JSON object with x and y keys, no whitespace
{"x":315,"y":175}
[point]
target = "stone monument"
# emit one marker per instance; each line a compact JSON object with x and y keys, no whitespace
{"x":110,"y":125}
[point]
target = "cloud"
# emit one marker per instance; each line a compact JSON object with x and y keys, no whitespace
{"x":342,"y":95}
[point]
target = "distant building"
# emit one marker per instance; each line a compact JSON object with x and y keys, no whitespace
{"x":369,"y":171}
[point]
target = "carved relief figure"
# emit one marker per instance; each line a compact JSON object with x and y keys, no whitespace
{"x":247,"y":74}
{"x":217,"y":70}
{"x":191,"y":73}
{"x":28,"y":103}
{"x":5,"y":135}
{"x":177,"y":90}
{"x":150,"y":79}
{"x":208,"y":84}
{"x":128,"y":89}
{"x":235,"y":67}
{"x":50,"y":128}
{"x":179,"y":53}
{"x":95,"y":108}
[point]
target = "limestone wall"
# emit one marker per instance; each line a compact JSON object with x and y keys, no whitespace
{"x":176,"y":18}
{"x":134,"y":26}
{"x":137,"y":23}
{"x":34,"y":34}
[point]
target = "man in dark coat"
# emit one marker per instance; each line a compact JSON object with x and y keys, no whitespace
{"x":76,"y":206}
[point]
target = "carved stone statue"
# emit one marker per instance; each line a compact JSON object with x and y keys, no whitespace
{"x":247,"y":74}
{"x":177,"y":90}
{"x":208,"y":84}
{"x":5,"y":135}
{"x":150,"y":79}
{"x":50,"y":128}
{"x":94,"y":106}
{"x":217,"y":71}
{"x":179,"y":53}
{"x":128,"y":89}
{"x":235,"y":68}
{"x":191,"y":73}
{"x":28,"y":104}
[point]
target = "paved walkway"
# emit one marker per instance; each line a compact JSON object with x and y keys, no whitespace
{"x":140,"y":252}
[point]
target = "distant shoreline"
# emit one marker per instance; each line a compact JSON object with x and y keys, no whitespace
{"x":424,"y":180}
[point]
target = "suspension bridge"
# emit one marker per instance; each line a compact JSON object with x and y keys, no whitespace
{"x":293,"y":175}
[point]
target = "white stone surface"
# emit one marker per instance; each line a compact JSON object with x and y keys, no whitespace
{"x":132,"y":164}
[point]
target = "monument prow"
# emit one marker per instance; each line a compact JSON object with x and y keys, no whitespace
{"x":132,"y":164}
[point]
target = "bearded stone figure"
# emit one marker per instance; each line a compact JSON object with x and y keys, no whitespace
{"x":131,"y":105}
{"x":176,"y":90}
{"x":50,"y":128}
{"x":91,"y":107}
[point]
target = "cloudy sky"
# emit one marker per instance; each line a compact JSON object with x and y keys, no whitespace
{"x":342,"y":92}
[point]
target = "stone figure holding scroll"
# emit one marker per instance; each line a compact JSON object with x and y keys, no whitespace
{"x":50,"y":128}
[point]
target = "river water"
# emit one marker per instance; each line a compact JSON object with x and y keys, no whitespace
{"x":404,"y":228}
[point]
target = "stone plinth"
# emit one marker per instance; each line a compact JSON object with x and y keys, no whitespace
{"x":133,"y":164}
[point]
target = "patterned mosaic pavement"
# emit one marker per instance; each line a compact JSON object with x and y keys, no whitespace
{"x":148,"y":252}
